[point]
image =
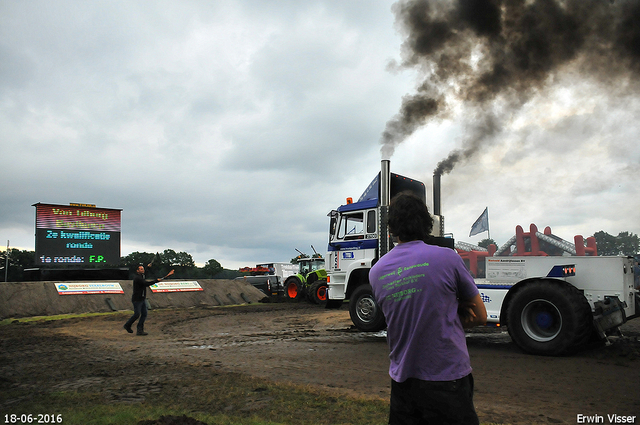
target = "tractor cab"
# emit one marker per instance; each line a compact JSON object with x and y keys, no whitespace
{"x":308,"y":265}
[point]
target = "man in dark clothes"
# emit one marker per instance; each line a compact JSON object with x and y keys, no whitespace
{"x":138,"y":298}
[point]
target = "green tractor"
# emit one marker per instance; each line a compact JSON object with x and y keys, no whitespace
{"x":311,"y":280}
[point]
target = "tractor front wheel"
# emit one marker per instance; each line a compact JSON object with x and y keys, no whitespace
{"x":318,"y":292}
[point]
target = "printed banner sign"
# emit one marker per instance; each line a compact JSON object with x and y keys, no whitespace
{"x":83,"y":288}
{"x":176,"y":286}
{"x":506,"y":269}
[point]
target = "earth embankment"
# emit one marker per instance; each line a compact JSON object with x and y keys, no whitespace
{"x":25,"y":299}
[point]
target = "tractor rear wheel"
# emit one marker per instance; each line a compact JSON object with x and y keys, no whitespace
{"x":318,"y":292}
{"x":293,"y":288}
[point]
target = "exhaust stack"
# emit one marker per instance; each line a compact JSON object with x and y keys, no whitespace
{"x":385,"y":199}
{"x":438,"y":219}
{"x":436,"y":193}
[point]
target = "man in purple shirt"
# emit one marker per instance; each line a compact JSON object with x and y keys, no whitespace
{"x":427,"y":297}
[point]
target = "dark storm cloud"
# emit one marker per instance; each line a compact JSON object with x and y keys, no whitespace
{"x":209,"y":123}
{"x":492,"y":56}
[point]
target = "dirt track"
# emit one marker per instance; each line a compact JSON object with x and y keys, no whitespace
{"x":306,"y":344}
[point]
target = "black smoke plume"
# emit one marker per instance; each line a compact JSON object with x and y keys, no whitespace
{"x":492,"y":56}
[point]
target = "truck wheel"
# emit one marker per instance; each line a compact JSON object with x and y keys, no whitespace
{"x":365,"y":313}
{"x":318,"y":292}
{"x":293,"y":288}
{"x":549,"y":318}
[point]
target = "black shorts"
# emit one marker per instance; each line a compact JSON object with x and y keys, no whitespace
{"x":419,"y":402}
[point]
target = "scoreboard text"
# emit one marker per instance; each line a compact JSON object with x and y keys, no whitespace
{"x":77,"y":234}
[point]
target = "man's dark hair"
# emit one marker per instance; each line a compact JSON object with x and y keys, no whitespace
{"x":409,"y":218}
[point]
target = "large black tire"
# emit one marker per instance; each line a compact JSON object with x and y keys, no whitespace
{"x":293,"y":288}
{"x":549,"y":318}
{"x":365,"y":312}
{"x":318,"y":292}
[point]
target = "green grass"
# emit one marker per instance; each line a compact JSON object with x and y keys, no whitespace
{"x":225,"y":399}
{"x":12,"y":320}
{"x":230,"y":400}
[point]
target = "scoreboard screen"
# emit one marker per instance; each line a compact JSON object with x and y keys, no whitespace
{"x":77,"y":234}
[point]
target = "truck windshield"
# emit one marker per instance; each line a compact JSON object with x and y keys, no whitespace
{"x":351,"y":226}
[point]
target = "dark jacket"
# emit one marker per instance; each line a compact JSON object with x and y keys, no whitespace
{"x":140,"y":285}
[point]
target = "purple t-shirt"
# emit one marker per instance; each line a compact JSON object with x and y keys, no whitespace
{"x":418,"y":287}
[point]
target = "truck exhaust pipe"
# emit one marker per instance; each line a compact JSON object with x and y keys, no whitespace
{"x":438,"y":218}
{"x":385,"y":199}
{"x":436,"y":194}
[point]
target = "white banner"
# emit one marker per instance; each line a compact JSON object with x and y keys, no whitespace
{"x":176,"y":286}
{"x":83,"y":288}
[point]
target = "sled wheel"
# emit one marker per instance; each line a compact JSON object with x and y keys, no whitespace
{"x":548,"y":318}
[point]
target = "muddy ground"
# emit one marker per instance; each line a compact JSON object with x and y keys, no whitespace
{"x":306,"y":344}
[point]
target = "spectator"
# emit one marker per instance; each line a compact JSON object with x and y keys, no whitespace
{"x":138,"y":298}
{"x":427,"y":297}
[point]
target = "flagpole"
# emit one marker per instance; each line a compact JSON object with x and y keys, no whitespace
{"x":488,"y":232}
{"x":6,"y":263}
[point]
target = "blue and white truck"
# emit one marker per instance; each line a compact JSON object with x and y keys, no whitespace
{"x":549,"y":304}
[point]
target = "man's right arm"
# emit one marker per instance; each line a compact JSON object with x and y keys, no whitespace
{"x":472,"y":312}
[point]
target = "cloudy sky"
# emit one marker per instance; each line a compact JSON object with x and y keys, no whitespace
{"x":230,"y":129}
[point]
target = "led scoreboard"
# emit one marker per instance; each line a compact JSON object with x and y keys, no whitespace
{"x":78,"y":234}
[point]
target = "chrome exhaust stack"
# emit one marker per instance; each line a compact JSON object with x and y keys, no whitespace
{"x":438,"y":219}
{"x":385,"y":199}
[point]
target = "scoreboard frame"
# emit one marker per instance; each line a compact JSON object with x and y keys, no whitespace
{"x":77,"y":234}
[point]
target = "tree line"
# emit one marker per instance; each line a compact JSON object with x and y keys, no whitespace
{"x":182,"y":262}
{"x":161,"y":263}
{"x":625,"y":243}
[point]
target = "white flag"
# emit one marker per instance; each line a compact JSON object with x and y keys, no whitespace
{"x":481,"y":224}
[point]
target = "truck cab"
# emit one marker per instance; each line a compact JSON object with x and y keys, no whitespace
{"x":353,"y":246}
{"x":358,"y":236}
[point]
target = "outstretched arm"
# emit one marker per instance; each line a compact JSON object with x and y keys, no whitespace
{"x":472,"y":312}
{"x":168,"y":274}
{"x":153,"y":282}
